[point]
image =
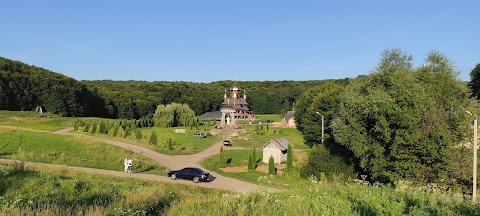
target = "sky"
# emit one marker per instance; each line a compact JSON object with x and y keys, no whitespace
{"x":206,"y":41}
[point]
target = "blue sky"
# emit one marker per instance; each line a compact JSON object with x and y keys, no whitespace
{"x":204,"y":41}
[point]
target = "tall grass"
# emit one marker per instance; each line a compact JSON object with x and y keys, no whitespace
{"x":69,"y":150}
{"x":330,"y":199}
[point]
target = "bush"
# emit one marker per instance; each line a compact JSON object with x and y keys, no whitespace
{"x":320,"y":160}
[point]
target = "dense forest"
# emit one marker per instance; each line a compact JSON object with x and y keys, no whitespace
{"x":24,"y":87}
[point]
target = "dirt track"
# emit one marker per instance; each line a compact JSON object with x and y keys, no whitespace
{"x":176,"y":162}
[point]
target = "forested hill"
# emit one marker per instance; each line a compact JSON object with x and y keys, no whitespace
{"x":133,"y":99}
{"x":24,"y":87}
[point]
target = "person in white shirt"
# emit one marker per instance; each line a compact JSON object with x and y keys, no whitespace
{"x":129,"y":166}
{"x":125,"y":164}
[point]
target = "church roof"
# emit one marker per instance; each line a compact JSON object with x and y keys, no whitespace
{"x":235,"y":86}
{"x":211,"y":115}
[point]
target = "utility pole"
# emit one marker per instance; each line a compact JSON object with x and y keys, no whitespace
{"x":475,"y":140}
{"x":322,"y":125}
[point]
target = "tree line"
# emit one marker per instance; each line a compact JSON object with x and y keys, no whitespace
{"x":24,"y":87}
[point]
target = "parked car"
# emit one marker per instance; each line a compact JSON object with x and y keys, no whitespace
{"x":191,"y":173}
{"x":227,"y":143}
{"x":199,"y":135}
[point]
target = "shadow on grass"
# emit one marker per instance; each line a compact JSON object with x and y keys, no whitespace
{"x":6,"y":154}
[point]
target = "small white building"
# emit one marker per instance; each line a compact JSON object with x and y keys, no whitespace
{"x":277,"y":148}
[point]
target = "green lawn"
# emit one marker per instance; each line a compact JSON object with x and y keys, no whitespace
{"x":185,"y":143}
{"x":32,"y":120}
{"x":69,"y":150}
{"x":273,"y":117}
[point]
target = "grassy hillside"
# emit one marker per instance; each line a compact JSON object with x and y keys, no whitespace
{"x":20,"y":144}
{"x":33,"y":120}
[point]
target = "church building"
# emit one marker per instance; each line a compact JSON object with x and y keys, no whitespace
{"x":234,"y":106}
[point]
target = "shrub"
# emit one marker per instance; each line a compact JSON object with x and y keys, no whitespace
{"x":320,"y":160}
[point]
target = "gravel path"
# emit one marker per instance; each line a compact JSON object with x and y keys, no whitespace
{"x":180,"y":161}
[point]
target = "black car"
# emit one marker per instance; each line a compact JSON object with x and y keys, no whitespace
{"x":227,"y":143}
{"x":192,"y":173}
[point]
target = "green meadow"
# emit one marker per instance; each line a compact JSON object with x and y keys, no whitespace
{"x":68,"y":150}
{"x":33,"y":120}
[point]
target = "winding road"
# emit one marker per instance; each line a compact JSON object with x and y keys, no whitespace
{"x":174,"y":162}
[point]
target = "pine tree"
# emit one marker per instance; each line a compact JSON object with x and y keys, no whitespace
{"x":250,"y":162}
{"x":271,"y":166}
{"x":94,"y":128}
{"x":254,"y":156}
{"x":138,"y":134}
{"x":289,"y":157}
{"x":153,"y":138}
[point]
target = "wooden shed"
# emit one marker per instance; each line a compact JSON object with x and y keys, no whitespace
{"x":277,"y":148}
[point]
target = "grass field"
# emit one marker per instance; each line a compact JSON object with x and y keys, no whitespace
{"x":24,"y":119}
{"x":81,"y":151}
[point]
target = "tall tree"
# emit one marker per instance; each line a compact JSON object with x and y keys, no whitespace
{"x":474,"y":83}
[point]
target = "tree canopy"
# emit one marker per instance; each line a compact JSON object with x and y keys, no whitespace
{"x":474,"y":83}
{"x":401,"y":122}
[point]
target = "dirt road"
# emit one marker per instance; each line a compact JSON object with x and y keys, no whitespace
{"x":180,"y":161}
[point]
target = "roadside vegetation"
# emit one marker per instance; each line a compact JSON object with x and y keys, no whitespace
{"x":71,"y":193}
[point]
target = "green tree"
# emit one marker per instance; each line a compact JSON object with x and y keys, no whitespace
{"x":254,"y":156}
{"x":474,"y":83}
{"x":289,"y":156}
{"x":271,"y":166}
{"x":94,"y":128}
{"x":173,"y":115}
{"x":153,"y":138}
{"x":250,"y":163}
{"x":400,"y":122}
{"x":323,"y":99}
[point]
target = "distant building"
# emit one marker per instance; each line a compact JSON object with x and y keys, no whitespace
{"x":277,"y":148}
{"x":234,"y":107}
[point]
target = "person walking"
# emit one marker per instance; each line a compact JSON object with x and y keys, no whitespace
{"x":129,"y":166}
{"x":125,"y":164}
